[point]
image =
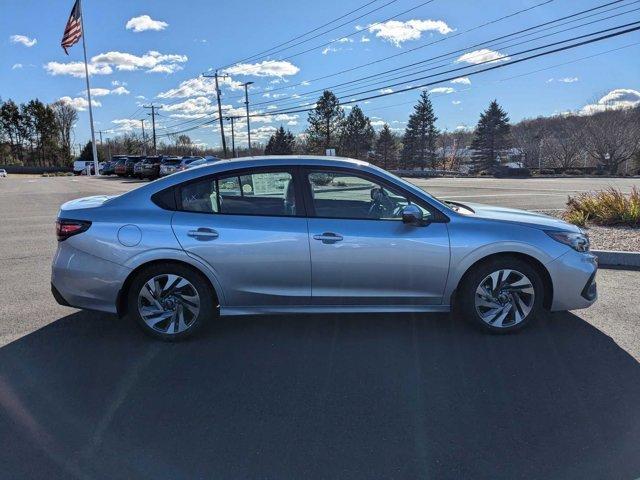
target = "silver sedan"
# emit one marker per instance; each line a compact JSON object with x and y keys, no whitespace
{"x":311,"y":235}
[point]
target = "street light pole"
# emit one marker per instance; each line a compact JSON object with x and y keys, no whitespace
{"x":144,"y":139}
{"x":233,"y":137}
{"x":246,"y":104}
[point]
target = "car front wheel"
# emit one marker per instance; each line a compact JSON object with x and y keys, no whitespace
{"x":501,"y":295}
{"x":171,"y":302}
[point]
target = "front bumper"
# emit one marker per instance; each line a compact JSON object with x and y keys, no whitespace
{"x":574,"y":280}
{"x":82,"y":280}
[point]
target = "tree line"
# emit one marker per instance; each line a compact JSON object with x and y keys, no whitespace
{"x":36,"y":134}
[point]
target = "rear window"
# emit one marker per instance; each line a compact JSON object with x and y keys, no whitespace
{"x":171,"y":162}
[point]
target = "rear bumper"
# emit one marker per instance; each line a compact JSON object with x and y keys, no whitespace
{"x":81,"y":280}
{"x":574,"y":281}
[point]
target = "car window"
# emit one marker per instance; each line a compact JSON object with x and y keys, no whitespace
{"x":347,"y":195}
{"x":268,"y":193}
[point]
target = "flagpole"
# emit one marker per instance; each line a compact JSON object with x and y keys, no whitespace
{"x":86,"y":71}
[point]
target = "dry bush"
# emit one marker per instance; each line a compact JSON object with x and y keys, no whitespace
{"x":606,"y":207}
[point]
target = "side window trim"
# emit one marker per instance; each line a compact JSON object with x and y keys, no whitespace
{"x":438,"y":216}
{"x":290,"y":169}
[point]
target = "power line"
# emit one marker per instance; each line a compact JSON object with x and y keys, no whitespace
{"x":491,"y":42}
{"x":483,"y":70}
{"x":268,"y":51}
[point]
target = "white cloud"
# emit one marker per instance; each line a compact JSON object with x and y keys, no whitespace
{"x":144,"y":23}
{"x":200,"y":86}
{"x":170,"y":68}
{"x":305,"y":83}
{"x":398,"y":32}
{"x":103,"y":92}
{"x":378,"y":123}
{"x":117,"y":83}
{"x":98,"y":92}
{"x":456,"y":102}
{"x":568,"y":79}
{"x":16,"y":66}
{"x":481,"y":56}
{"x":462,"y":81}
{"x":141,"y":97}
{"x":327,"y":50}
{"x":345,"y":40}
{"x":386,"y":90}
{"x":364,"y":39}
{"x":267,"y":68}
{"x":198,"y":105}
{"x":126,"y":124}
{"x":76,"y":69}
{"x":80,"y":103}
{"x":614,"y":100}
{"x":104,"y":64}
{"x":120,"y":91}
{"x":150,"y":61}
{"x":23,"y":40}
{"x":443,"y":90}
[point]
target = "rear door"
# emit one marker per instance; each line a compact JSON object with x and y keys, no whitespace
{"x":361,"y":251}
{"x":250,"y":227}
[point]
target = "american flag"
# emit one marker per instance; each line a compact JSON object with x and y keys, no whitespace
{"x":73,"y":30}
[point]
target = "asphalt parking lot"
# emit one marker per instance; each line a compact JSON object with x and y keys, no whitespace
{"x":85,"y":395}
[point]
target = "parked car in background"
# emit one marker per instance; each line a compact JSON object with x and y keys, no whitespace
{"x":173,"y":165}
{"x":3,"y":172}
{"x":203,"y":161}
{"x":81,"y":167}
{"x":120,"y":167}
{"x":150,"y":168}
{"x":267,"y":235}
{"x":130,"y":165}
{"x":137,"y":167}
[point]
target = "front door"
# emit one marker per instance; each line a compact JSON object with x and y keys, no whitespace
{"x":249,"y":227}
{"x":361,"y":251}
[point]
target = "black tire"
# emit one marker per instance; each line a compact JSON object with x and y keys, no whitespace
{"x":207,"y":308}
{"x":466,"y":296}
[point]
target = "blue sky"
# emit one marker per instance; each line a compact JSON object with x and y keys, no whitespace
{"x":155,"y":51}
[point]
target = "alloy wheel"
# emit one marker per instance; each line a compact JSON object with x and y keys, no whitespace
{"x":504,"y":298}
{"x":168,"y":304}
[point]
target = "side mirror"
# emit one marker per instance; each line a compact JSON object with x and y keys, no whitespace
{"x":412,"y":215}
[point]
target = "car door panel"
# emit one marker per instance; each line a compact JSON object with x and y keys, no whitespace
{"x":259,"y":260}
{"x":378,"y":262}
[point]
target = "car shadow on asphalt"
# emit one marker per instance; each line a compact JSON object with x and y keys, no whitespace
{"x":351,"y":396}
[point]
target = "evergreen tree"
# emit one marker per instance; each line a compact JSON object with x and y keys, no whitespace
{"x":357,"y":134}
{"x":87,"y":153}
{"x":325,"y":122}
{"x":386,"y":147}
{"x":491,"y":138}
{"x":280,"y":143}
{"x":419,"y":141}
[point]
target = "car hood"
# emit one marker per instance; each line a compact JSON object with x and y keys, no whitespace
{"x":520,"y":217}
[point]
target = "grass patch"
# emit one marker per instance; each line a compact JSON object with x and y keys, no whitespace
{"x":606,"y":207}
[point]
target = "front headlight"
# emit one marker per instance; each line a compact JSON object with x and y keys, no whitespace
{"x":578,"y":241}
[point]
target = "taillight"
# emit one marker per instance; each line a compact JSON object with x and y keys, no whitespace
{"x":68,"y":228}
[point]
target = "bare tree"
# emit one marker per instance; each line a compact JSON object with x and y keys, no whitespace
{"x":65,"y":117}
{"x":612,"y":137}
{"x":528,"y":137}
{"x":564,"y":144}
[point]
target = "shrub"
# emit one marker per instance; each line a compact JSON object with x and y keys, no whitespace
{"x":573,"y":171}
{"x":606,"y":207}
{"x":547,"y":171}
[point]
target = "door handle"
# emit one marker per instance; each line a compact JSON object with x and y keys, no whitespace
{"x":328,"y":237}
{"x":203,"y":234}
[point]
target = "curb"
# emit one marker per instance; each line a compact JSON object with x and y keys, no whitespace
{"x":612,"y":258}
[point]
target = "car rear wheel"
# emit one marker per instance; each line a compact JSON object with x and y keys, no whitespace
{"x":501,"y":295}
{"x":171,"y":302}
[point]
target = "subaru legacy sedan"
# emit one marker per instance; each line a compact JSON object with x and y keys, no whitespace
{"x":267,"y":235}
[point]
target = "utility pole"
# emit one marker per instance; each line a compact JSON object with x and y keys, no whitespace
{"x":246,"y":104}
{"x":109,"y":148}
{"x":153,"y":124}
{"x":100,"y":133}
{"x":233,"y":137}
{"x":144,"y":139}
{"x":224,"y":143}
